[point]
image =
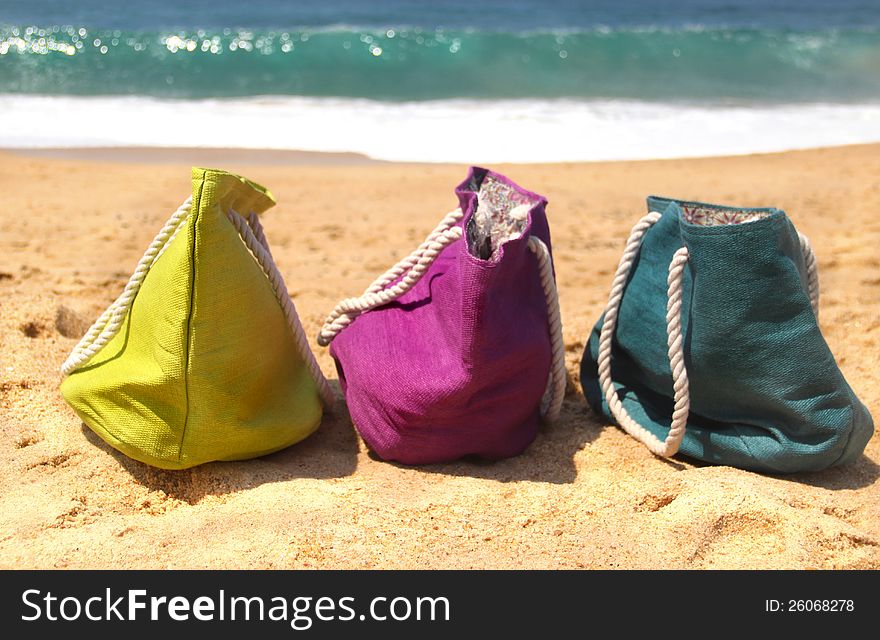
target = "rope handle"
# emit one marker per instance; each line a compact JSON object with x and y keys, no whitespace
{"x":413,"y":267}
{"x":109,"y":323}
{"x":812,"y":272}
{"x":554,"y":394}
{"x":251,"y":233}
{"x":681,"y":388}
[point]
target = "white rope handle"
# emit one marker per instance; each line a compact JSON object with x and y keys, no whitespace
{"x":108,"y":324}
{"x":251,"y":231}
{"x":413,"y":266}
{"x":447,"y":223}
{"x":669,"y":446}
{"x":812,"y":272}
{"x":681,"y":389}
{"x":554,"y":394}
{"x":416,"y":265}
{"x":256,"y":226}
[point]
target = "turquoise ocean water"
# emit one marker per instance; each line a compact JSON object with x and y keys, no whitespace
{"x":600,"y":79}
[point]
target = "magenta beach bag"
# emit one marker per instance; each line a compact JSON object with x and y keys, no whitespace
{"x":457,"y":350}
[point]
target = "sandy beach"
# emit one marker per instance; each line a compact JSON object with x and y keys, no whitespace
{"x":584,"y":495}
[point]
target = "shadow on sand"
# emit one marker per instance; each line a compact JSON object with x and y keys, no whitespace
{"x":330,"y":452}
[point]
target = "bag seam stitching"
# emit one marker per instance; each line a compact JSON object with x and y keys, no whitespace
{"x":196,"y":210}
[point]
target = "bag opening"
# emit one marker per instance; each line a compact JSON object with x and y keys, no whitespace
{"x":708,"y":216}
{"x":500,"y":214}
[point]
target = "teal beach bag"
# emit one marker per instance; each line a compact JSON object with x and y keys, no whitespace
{"x":710,"y":344}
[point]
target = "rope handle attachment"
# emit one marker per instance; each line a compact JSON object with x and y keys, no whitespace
{"x":109,"y":323}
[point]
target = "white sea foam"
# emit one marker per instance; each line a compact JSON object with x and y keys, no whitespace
{"x":439,"y":131}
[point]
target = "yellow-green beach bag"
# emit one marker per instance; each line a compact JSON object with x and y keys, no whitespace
{"x":203,"y":356}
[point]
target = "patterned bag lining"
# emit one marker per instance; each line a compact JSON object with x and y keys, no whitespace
{"x":501,"y":215}
{"x":707,"y":216}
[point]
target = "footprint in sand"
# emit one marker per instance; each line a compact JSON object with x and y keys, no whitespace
{"x":52,"y":462}
{"x":739,"y":534}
